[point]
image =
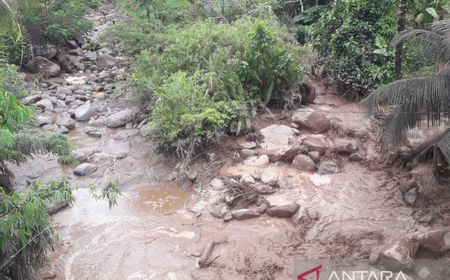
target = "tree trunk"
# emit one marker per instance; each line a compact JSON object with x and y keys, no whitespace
{"x":402,"y":10}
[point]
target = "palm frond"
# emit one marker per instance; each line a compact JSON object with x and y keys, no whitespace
{"x":412,"y":100}
{"x":435,"y":44}
{"x":442,"y":142}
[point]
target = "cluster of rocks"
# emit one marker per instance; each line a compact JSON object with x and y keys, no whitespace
{"x":400,"y":255}
{"x":244,"y":199}
{"x":313,"y":152}
{"x":66,"y":100}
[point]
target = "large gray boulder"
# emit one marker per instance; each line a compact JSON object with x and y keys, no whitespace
{"x":315,"y":121}
{"x":276,"y":136}
{"x":45,"y":104}
{"x":44,"y":66}
{"x":66,"y":121}
{"x":283,"y":211}
{"x":120,"y":118}
{"x":47,"y":51}
{"x":85,"y":169}
{"x":84,"y":112}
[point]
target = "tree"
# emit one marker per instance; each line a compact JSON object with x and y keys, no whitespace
{"x":401,"y":13}
{"x":415,"y":99}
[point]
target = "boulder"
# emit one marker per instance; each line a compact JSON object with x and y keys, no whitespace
{"x":304,"y":163}
{"x":45,"y":104}
{"x":44,"y":66}
{"x":85,"y":169}
{"x":264,"y":189}
{"x":120,"y":118}
{"x":436,"y":241}
{"x":315,"y":155}
{"x":63,"y":91}
{"x":66,"y":121}
{"x":344,"y":146}
{"x":283,"y":211}
{"x":276,"y":136}
{"x":315,"y":121}
{"x":247,"y":153}
{"x":287,"y":153}
{"x":219,"y":210}
{"x":270,"y":178}
{"x":315,"y":144}
{"x":244,"y":214}
{"x":105,"y":61}
{"x":43,"y":120}
{"x":261,"y":161}
{"x":84,"y":112}
{"x":328,"y":167}
{"x":248,"y":145}
{"x":396,"y":256}
{"x":47,"y":51}
{"x":31,"y":99}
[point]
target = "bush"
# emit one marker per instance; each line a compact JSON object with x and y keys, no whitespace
{"x":25,"y":230}
{"x":210,"y":78}
{"x":352,"y":38}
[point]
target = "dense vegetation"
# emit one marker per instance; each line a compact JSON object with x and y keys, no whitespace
{"x":204,"y":72}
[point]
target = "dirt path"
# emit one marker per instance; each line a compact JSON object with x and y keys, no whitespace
{"x":158,"y":230}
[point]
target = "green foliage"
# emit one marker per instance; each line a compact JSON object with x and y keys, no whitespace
{"x":305,"y":20}
{"x":416,"y":62}
{"x":25,"y":230}
{"x":110,"y":192}
{"x":427,"y":11}
{"x":352,"y":38}
{"x":210,"y":77}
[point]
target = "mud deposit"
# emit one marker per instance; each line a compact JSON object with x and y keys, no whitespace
{"x":159,"y":227}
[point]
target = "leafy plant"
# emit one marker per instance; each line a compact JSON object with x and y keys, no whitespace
{"x":25,"y":229}
{"x":352,"y":37}
{"x":415,"y":99}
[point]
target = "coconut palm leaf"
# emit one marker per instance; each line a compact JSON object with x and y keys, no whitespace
{"x":412,"y":101}
{"x":435,"y":40}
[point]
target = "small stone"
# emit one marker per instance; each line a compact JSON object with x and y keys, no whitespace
{"x":261,"y":161}
{"x":328,"y":167}
{"x":410,"y":197}
{"x":283,"y":211}
{"x":406,"y":186}
{"x":228,"y":217}
{"x":262,"y":208}
{"x":304,"y":163}
{"x":276,"y":136}
{"x":219,"y":211}
{"x":345,"y":146}
{"x":85,"y":169}
{"x":288,"y":153}
{"x":247,"y":179}
{"x":269,"y":177}
{"x":265,"y":189}
{"x":244,"y":214}
{"x":217,"y":184}
{"x":31,"y":99}
{"x":248,"y":145}
{"x":247,"y":153}
{"x":315,"y":144}
{"x":315,"y":155}
{"x":355,"y":157}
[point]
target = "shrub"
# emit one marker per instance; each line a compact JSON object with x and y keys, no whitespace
{"x":352,"y":38}
{"x":210,"y":77}
{"x":25,"y":230}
